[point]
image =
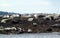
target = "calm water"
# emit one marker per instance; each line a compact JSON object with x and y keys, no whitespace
{"x":36,"y":35}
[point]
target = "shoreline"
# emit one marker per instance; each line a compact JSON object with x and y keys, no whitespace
{"x":36,"y":23}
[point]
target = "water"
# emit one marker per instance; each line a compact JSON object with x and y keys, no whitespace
{"x":36,"y":35}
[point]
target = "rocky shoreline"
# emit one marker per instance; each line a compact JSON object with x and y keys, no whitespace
{"x":29,"y":23}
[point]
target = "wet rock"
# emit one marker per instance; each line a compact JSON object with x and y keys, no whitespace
{"x":29,"y":30}
{"x":4,"y":20}
{"x":30,"y":19}
{"x":56,"y":26}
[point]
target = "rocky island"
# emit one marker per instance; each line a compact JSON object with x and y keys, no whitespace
{"x":29,"y":23}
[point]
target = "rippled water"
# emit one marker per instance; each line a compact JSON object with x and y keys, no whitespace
{"x":36,"y":35}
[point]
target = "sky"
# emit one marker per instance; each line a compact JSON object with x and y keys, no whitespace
{"x":30,"y":6}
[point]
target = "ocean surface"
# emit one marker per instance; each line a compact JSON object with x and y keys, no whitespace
{"x":31,"y":35}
